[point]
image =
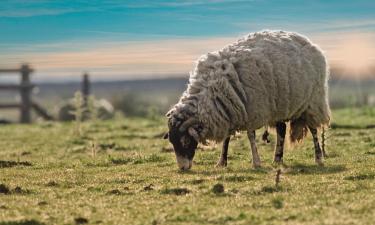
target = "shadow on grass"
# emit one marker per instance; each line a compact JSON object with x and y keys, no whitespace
{"x":228,"y":170}
{"x":175,"y":191}
{"x":360,"y":177}
{"x":153,"y":158}
{"x":315,"y":169}
{"x":235,"y":178}
{"x":5,"y":164}
{"x":130,"y":136}
{"x":22,"y":222}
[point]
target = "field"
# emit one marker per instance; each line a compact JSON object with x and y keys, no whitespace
{"x":123,"y":172}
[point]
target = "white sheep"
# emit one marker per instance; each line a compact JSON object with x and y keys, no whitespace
{"x":264,"y":79}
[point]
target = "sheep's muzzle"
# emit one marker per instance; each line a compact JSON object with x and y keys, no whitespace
{"x":184,"y":146}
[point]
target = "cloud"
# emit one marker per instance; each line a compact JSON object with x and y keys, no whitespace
{"x":181,"y":3}
{"x":310,"y":27}
{"x":23,"y":8}
{"x":34,"y":12}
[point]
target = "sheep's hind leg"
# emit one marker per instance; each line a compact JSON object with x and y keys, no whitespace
{"x":279,"y":150}
{"x":224,"y":154}
{"x":254,"y":151}
{"x":318,"y":150}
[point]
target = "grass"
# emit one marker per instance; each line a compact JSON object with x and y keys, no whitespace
{"x":49,"y":175}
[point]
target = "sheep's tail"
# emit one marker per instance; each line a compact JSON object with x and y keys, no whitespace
{"x":298,"y":129}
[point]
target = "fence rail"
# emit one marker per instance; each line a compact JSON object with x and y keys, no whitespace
{"x":25,"y":88}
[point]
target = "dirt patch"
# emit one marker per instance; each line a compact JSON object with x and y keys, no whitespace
{"x":149,"y":187}
{"x":52,"y":183}
{"x":42,"y":203}
{"x":25,"y":153}
{"x":81,"y":220}
{"x":114,"y":192}
{"x":105,"y":146}
{"x":197,"y":181}
{"x":5,"y":164}
{"x":17,"y":190}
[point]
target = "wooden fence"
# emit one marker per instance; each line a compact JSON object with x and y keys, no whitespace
{"x":25,"y":89}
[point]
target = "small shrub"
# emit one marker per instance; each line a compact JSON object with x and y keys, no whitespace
{"x":277,"y":202}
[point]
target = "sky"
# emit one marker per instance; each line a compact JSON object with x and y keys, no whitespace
{"x":142,"y":39}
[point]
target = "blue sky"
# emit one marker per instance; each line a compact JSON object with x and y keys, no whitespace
{"x":64,"y":38}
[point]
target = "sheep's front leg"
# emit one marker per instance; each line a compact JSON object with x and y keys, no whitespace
{"x":224,"y":154}
{"x":279,"y":151}
{"x":318,"y":150}
{"x":254,"y":151}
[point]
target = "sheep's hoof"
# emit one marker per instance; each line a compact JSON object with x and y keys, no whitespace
{"x":257,"y":165}
{"x":221,"y":163}
{"x":278,"y":161}
{"x":319,"y":162}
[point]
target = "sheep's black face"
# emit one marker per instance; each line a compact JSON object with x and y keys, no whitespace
{"x":184,"y":146}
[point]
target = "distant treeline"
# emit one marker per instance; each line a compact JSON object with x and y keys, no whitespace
{"x":148,"y":98}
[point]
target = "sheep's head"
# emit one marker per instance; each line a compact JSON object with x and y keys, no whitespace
{"x":184,"y":138}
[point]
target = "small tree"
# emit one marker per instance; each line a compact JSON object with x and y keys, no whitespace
{"x":78,"y":112}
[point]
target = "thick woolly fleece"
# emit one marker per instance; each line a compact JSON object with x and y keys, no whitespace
{"x":263,"y":78}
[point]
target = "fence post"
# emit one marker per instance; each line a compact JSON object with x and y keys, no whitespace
{"x":25,"y":92}
{"x":85,"y":88}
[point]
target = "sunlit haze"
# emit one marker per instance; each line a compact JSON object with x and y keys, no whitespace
{"x":152,"y":39}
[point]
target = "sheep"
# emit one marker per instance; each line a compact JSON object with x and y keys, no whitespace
{"x":267,"y":78}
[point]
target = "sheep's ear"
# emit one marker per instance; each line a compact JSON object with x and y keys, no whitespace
{"x":168,"y":114}
{"x":166,"y":135}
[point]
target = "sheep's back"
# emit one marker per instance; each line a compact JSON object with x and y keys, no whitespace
{"x":281,"y":74}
